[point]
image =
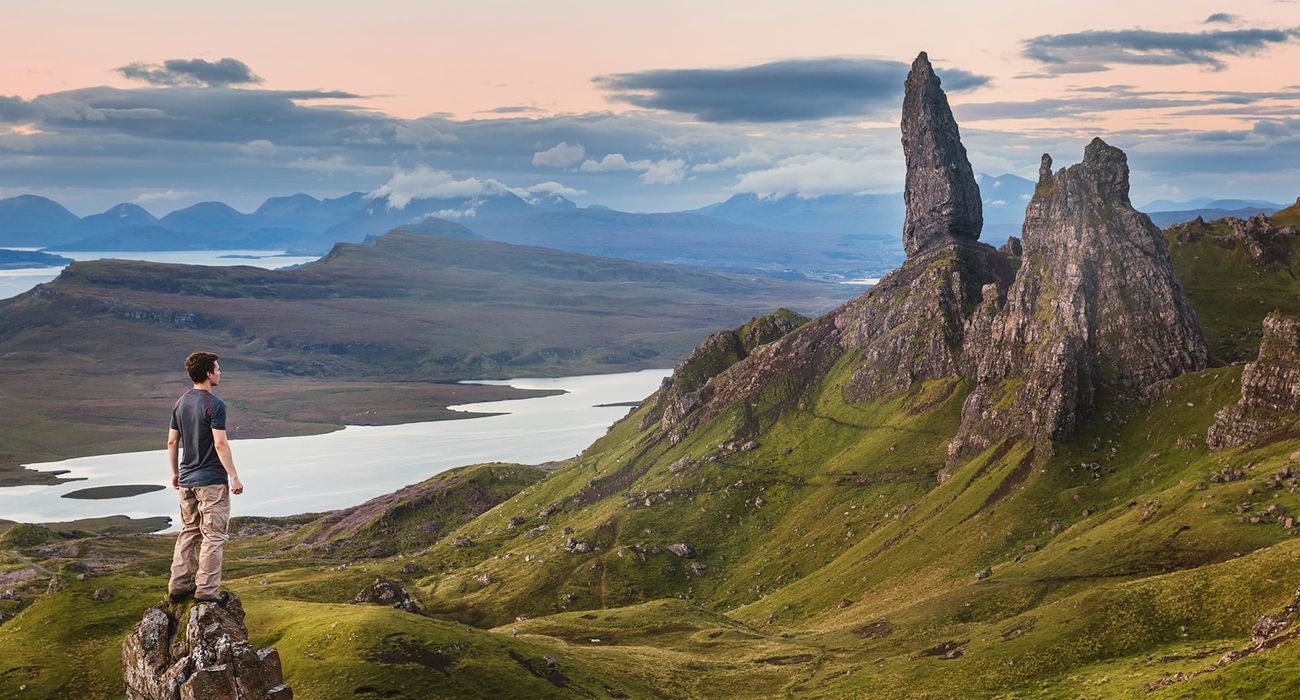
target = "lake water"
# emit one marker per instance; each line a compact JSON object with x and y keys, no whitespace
{"x":291,"y":475}
{"x":15,"y":282}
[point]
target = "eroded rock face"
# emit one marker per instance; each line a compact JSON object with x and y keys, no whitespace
{"x":911,"y":326}
{"x":1085,"y":300}
{"x":679,"y":394}
{"x":1264,"y":242}
{"x":1270,"y":388}
{"x":208,"y":659}
{"x":941,"y":194}
{"x":1095,"y":299}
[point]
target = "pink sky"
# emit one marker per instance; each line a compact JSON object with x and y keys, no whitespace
{"x":417,"y":57}
{"x":414,"y":58}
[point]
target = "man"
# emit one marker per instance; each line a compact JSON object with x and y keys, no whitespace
{"x":205,"y":478}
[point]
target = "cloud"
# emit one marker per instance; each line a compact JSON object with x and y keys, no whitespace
{"x":196,"y":72}
{"x":614,"y":161}
{"x":466,"y":213}
{"x":665,"y":172}
{"x":14,"y":110}
{"x":794,"y":90}
{"x":211,"y":114}
{"x":1221,"y":18}
{"x":1152,"y":48}
{"x":747,"y":159}
{"x":426,"y":183}
{"x":260,"y":147}
{"x":548,"y":189}
{"x":419,"y":133}
{"x":164,"y":196}
{"x":1277,"y":128}
{"x":514,"y":109}
{"x":814,"y":175}
{"x":1117,"y":98}
{"x":562,"y":155}
{"x":1217,"y":136}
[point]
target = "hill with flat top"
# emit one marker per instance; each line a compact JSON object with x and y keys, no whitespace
{"x":376,"y":334}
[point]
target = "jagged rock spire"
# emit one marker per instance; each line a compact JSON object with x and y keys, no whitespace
{"x":1095,"y":300}
{"x":941,"y":194}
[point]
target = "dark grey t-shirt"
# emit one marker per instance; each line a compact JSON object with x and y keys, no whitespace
{"x":196,"y":415}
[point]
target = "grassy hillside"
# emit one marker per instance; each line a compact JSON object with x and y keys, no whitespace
{"x":796,"y":545}
{"x":367,"y":334}
{"x":1231,"y":292}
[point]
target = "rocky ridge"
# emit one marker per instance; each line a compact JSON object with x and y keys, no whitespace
{"x":199,"y":653}
{"x":1270,"y":388}
{"x":680,"y":393}
{"x":1086,"y":299}
{"x":1258,"y":236}
{"x":910,"y":326}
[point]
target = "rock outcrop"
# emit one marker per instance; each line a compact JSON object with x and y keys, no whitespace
{"x":385,"y":592}
{"x":199,"y":653}
{"x":1270,"y":388}
{"x":679,"y":394}
{"x":911,"y":326}
{"x":1095,"y":300}
{"x":941,"y":194}
{"x":1085,"y":300}
{"x":1264,"y":242}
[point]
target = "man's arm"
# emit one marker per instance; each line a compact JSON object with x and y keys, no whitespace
{"x":174,"y":455}
{"x":222,"y":445}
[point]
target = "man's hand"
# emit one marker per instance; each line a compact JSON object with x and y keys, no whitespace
{"x":236,"y":486}
{"x":176,"y":481}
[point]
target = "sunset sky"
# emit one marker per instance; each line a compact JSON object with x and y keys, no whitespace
{"x":644,"y":107}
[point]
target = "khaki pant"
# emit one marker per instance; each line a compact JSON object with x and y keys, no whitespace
{"x":205,"y":515}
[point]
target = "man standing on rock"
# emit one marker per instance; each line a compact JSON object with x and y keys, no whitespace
{"x":205,"y":477}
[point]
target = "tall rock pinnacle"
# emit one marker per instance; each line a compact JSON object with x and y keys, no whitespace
{"x":1095,"y":302}
{"x":941,"y":194}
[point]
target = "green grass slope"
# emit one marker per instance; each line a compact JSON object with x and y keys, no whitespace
{"x":796,"y":545}
{"x":1231,"y":292}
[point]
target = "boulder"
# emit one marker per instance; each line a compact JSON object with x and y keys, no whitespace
{"x":384,"y":592}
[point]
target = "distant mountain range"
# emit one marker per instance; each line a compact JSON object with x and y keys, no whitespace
{"x":827,"y":237}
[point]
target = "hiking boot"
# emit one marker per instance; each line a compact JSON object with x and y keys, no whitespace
{"x":221,"y":598}
{"x":178,"y":598}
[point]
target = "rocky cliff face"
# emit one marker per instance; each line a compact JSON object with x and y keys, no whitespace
{"x":1086,"y":299}
{"x":199,"y":654}
{"x":912,"y":325}
{"x":1270,"y":388}
{"x":941,"y":194}
{"x":1095,"y":300}
{"x":680,"y":393}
